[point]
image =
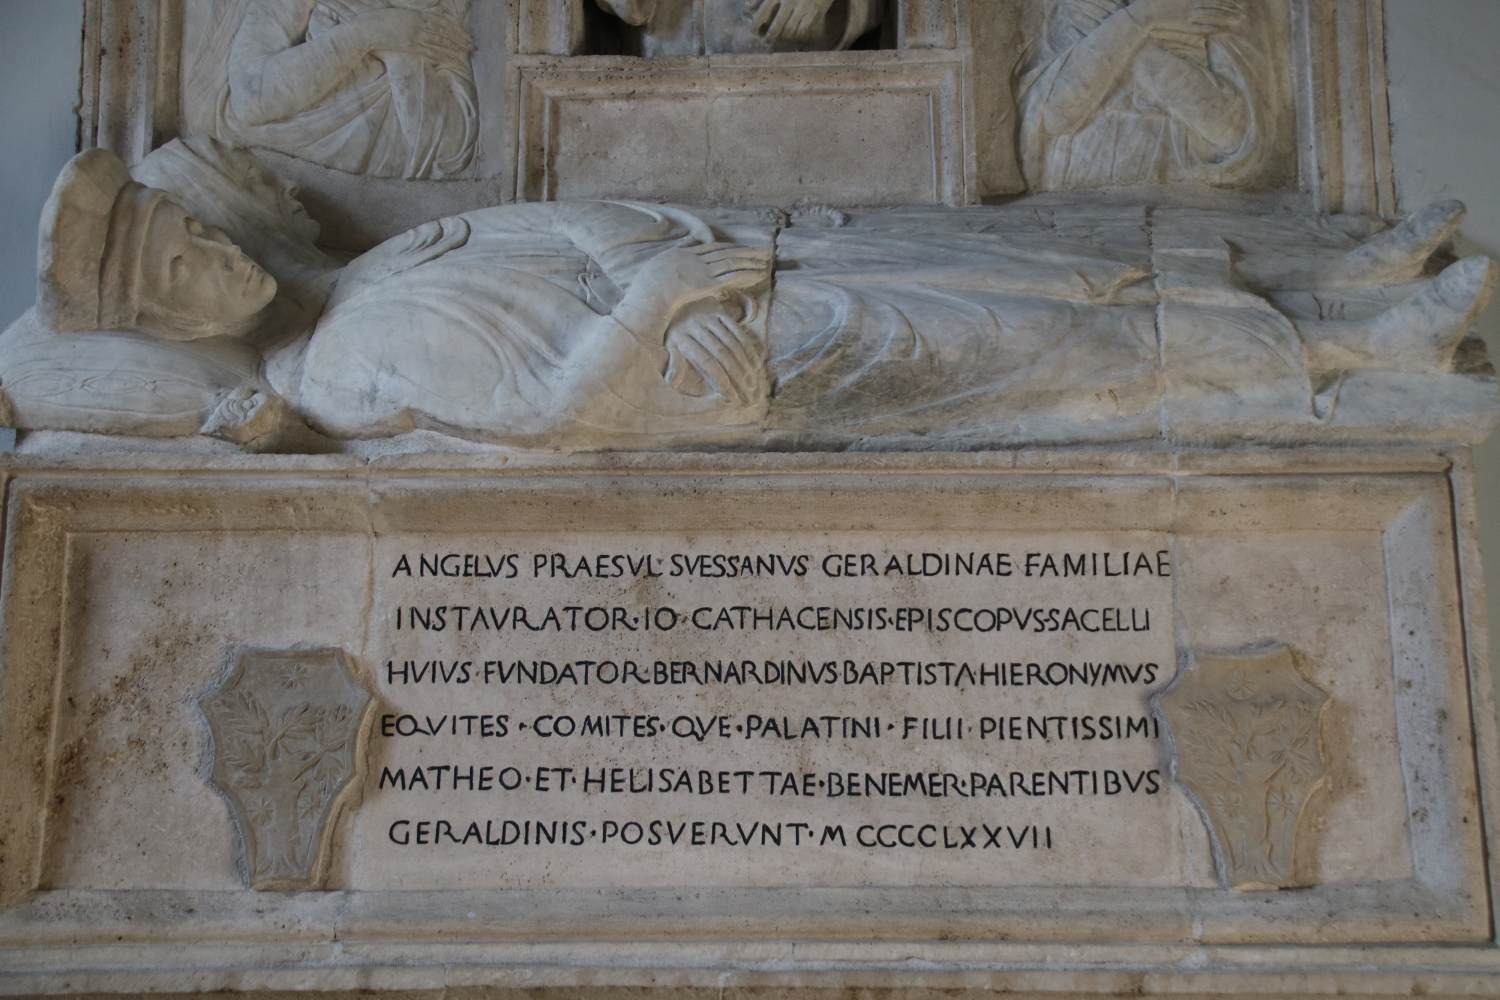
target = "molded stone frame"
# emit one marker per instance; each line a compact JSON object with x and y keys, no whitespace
{"x":1343,"y":107}
{"x":1431,"y":931}
{"x":131,"y":87}
{"x":715,"y":129}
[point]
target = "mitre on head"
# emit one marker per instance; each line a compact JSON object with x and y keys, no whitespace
{"x":93,"y":231}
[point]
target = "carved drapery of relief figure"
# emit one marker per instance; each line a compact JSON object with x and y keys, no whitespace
{"x":696,"y":27}
{"x":1120,"y":93}
{"x":383,"y":88}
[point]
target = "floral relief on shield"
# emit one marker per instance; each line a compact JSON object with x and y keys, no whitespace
{"x":1247,"y":735}
{"x":288,"y":731}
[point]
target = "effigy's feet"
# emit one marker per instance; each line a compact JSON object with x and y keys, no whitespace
{"x":1391,"y":259}
{"x":1426,"y":329}
{"x":1402,"y":252}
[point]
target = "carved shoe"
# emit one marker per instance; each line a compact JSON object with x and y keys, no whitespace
{"x":1424,"y":332}
{"x":1401,"y":253}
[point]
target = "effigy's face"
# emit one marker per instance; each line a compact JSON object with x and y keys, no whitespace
{"x":196,"y":274}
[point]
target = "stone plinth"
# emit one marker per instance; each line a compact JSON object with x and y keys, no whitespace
{"x":1036,"y":811}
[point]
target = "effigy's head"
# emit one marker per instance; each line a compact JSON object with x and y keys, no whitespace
{"x":116,"y":255}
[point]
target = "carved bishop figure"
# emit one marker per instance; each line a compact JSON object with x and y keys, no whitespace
{"x":594,"y":324}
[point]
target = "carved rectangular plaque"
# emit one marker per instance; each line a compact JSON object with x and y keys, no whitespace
{"x":627,"y":765}
{"x":737,"y":130}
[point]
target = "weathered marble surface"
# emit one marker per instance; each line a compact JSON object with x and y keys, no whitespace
{"x":123,"y":567}
{"x":1168,"y":282}
{"x":1319,"y":138}
{"x":746,"y":130}
{"x":1124,"y":93}
{"x":369,"y":87}
{"x":622,"y":326}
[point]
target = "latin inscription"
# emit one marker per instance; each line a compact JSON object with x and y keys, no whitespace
{"x":803,"y":709}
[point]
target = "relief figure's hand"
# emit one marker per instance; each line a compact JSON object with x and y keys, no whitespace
{"x":788,"y":20}
{"x":437,"y":37}
{"x":1198,"y":17}
{"x":445,"y":41}
{"x":636,"y":12}
{"x":392,"y":30}
{"x":1214,"y":16}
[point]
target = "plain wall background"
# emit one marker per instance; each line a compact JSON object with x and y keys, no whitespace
{"x":40,"y":44}
{"x":1445,"y":112}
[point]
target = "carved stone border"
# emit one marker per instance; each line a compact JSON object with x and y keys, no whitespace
{"x":131,"y":87}
{"x":545,"y":87}
{"x":1343,"y":105}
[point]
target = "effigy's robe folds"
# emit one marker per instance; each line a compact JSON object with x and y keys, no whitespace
{"x":721,"y":498}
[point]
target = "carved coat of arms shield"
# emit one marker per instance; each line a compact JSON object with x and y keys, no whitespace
{"x":1247,"y":732}
{"x":287,"y":731}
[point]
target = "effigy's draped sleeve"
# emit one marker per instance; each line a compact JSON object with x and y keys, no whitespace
{"x":472,"y":338}
{"x":480,"y":336}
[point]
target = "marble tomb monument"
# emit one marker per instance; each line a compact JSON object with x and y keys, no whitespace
{"x":744,"y":498}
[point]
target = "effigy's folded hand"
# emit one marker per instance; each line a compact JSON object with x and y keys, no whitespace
{"x":714,"y":353}
{"x":688,"y":274}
